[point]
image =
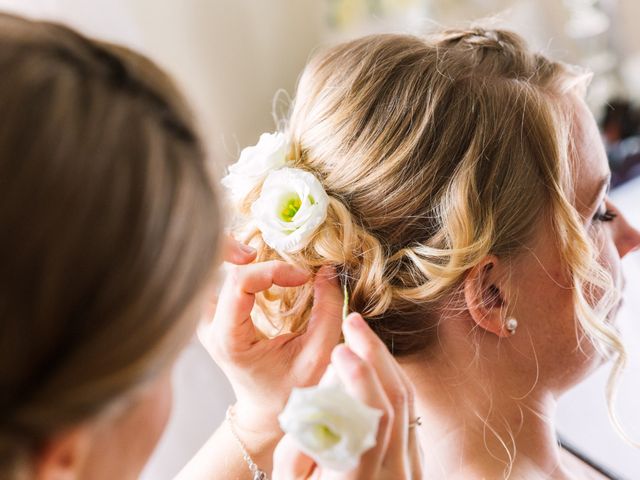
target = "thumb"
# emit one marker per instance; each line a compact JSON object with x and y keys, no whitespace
{"x":236,"y":252}
{"x":289,"y":463}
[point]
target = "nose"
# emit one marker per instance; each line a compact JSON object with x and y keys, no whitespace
{"x":627,"y":238}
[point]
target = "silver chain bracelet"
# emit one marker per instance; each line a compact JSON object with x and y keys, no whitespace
{"x":255,"y":470}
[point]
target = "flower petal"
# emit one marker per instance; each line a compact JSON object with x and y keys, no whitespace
{"x":329,"y":425}
{"x":255,"y":163}
{"x":290,"y":208}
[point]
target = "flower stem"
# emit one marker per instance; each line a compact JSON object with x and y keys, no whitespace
{"x":345,"y":305}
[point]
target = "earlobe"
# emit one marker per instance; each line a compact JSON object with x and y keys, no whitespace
{"x":485,"y":299}
{"x":63,"y":456}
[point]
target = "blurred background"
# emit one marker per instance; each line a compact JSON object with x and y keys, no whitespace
{"x":232,"y":56}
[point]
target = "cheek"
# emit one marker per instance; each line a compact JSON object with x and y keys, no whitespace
{"x":155,"y":412}
{"x":559,"y":357}
{"x":552,"y":316}
{"x":138,"y":431}
{"x":549,"y":338}
{"x":145,"y":424}
{"x":131,"y":436}
{"x":610,"y":259}
{"x":546,"y":302}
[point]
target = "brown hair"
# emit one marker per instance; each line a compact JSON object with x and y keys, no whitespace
{"x":109,"y":228}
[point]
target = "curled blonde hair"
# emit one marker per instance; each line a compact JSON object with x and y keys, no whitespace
{"x":436,"y":152}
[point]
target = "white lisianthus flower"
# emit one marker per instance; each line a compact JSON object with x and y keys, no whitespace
{"x":291,"y":206}
{"x":255,"y":163}
{"x":329,"y":425}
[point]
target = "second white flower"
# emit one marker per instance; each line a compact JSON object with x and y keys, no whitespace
{"x":329,"y":425}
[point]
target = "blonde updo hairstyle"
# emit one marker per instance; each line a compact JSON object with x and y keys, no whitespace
{"x":435,"y":152}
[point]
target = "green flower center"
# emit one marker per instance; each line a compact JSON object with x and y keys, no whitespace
{"x":290,"y":208}
{"x":324,"y":436}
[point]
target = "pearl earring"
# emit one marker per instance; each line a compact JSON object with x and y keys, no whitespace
{"x":511,"y":326}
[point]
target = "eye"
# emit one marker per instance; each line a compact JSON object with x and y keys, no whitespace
{"x":604,"y":214}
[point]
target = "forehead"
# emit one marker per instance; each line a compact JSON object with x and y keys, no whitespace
{"x":588,"y":157}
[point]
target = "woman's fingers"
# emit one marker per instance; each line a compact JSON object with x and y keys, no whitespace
{"x":415,"y":454}
{"x":361,"y":381}
{"x":323,"y":329}
{"x":289,"y":463}
{"x":236,"y":252}
{"x":368,"y":346}
{"x":232,"y":322}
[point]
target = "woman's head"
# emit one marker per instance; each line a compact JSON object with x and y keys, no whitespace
{"x":445,"y":159}
{"x":109,"y":232}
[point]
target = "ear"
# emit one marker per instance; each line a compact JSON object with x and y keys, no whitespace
{"x":63,"y":455}
{"x":485,"y":296}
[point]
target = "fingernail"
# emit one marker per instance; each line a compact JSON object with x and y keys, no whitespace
{"x":300,"y":271}
{"x":327,"y":271}
{"x":355,"y":320}
{"x":342,"y":353}
{"x":247,"y":248}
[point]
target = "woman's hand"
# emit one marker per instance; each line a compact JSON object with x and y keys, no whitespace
{"x":371,"y":374}
{"x":263,"y":371}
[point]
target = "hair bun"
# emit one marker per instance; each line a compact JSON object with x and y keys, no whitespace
{"x":476,"y":37}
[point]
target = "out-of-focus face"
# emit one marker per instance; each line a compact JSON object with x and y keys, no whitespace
{"x":119,"y":440}
{"x":117,"y":443}
{"x":121,"y":444}
{"x":544,"y":303}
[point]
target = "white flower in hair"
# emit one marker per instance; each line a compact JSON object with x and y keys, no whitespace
{"x":291,"y":206}
{"x":329,"y":425}
{"x":255,"y":163}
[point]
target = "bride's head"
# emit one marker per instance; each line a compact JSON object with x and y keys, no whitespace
{"x":466,"y":184}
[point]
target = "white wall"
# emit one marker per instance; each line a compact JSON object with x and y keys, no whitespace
{"x":229,"y":56}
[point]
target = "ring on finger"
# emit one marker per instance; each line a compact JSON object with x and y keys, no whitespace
{"x":415,"y":423}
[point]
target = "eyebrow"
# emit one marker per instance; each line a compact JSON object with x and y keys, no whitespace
{"x":604,"y":183}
